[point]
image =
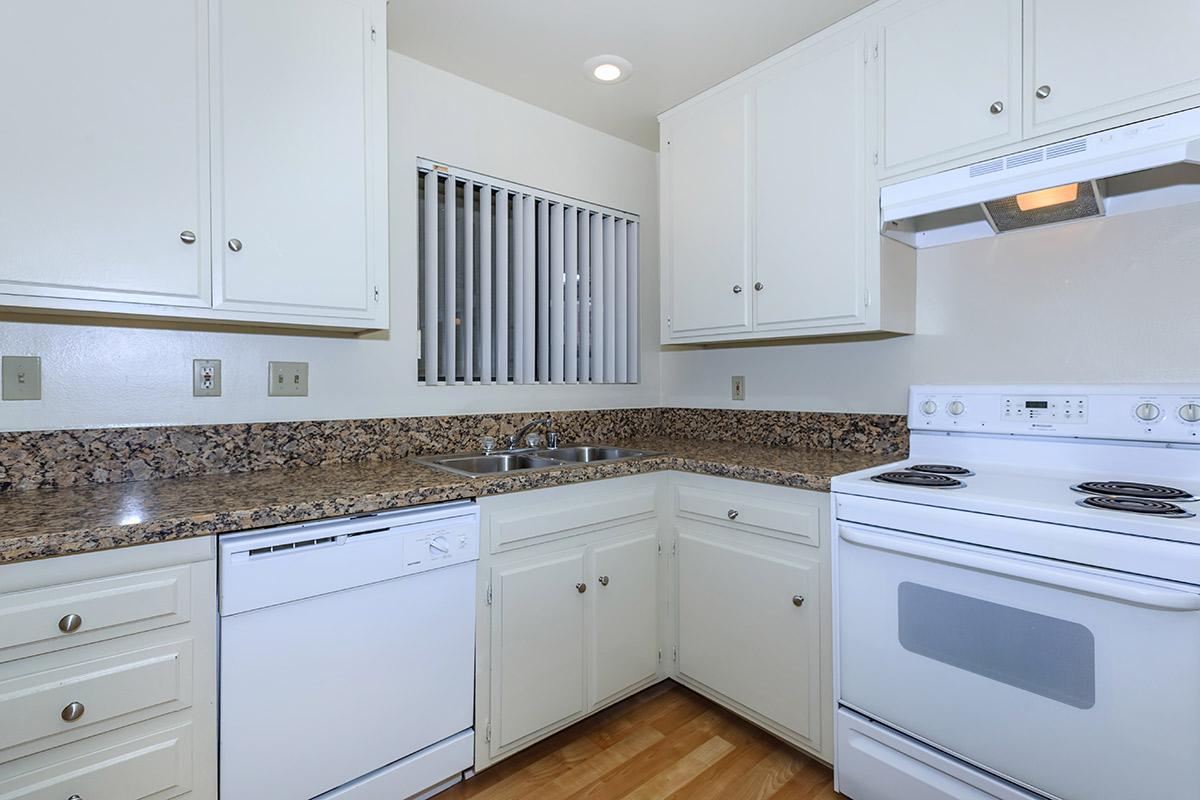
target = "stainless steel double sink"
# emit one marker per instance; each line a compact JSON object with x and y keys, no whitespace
{"x":475,"y":465}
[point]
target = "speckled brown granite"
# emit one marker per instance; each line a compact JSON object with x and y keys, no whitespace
{"x":44,"y":523}
{"x":58,"y":459}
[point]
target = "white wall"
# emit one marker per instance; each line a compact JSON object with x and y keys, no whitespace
{"x":116,"y":374}
{"x":1103,"y":301}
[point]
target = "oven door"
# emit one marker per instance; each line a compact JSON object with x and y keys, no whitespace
{"x":1082,"y":684}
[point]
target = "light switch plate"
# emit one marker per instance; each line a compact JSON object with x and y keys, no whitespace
{"x":21,"y":377}
{"x":288,"y":379}
{"x":206,"y":377}
{"x":739,"y":387}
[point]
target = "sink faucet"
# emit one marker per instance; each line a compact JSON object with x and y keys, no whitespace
{"x":513,"y":439}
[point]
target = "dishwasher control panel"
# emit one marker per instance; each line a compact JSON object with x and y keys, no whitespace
{"x":452,"y":541}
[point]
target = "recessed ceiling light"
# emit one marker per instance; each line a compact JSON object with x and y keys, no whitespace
{"x":608,"y":69}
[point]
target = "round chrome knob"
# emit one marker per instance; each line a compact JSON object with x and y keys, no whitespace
{"x":70,"y":623}
{"x":928,"y":408}
{"x":732,"y":513}
{"x":72,"y":712}
{"x":581,"y":587}
{"x":1190,"y":412}
{"x":187,"y":237}
{"x":737,"y":289}
{"x":1147,"y":412}
{"x":1043,"y":92}
{"x":604,"y":580}
{"x":235,"y":245}
{"x":758,"y":286}
{"x":956,"y":407}
{"x":797,"y":600}
{"x":996,"y":107}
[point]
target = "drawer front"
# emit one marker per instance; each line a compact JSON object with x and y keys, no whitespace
{"x":567,"y":511}
{"x":61,"y":704}
{"x":56,"y":617}
{"x":795,"y":521}
{"x":154,"y":767}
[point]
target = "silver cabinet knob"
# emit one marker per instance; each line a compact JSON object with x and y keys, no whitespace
{"x":187,"y":237}
{"x":797,"y":600}
{"x":604,"y":580}
{"x":235,"y":245}
{"x":737,"y":289}
{"x":74,"y":797}
{"x":581,"y":587}
{"x":758,"y":286}
{"x":72,"y":712}
{"x":1043,"y":91}
{"x":70,"y":623}
{"x":732,"y":513}
{"x":997,"y":107}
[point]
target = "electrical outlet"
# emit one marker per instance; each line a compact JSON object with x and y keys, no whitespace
{"x":288,"y":379}
{"x":739,"y":387}
{"x":21,"y":377}
{"x":206,"y":377}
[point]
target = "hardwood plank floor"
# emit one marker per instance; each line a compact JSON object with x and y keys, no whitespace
{"x":666,"y":742}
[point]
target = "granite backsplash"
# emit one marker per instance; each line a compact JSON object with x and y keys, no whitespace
{"x":56,"y":459}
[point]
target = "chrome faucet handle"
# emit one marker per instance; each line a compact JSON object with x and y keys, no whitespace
{"x":489,"y":444}
{"x":552,"y":439}
{"x":533,"y":440}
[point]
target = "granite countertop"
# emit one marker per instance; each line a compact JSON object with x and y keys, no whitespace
{"x":42,"y":523}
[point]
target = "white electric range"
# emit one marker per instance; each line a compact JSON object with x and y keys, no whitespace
{"x":1017,"y":605}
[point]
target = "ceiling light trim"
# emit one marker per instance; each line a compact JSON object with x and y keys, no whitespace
{"x":596,"y":66}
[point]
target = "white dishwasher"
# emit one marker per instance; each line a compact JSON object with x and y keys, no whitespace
{"x":348,"y":656}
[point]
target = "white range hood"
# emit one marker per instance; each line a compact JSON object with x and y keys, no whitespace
{"x":1150,"y":164}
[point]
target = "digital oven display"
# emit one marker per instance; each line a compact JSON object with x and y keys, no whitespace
{"x":1037,"y":404}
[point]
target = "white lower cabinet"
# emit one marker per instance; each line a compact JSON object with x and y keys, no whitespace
{"x":108,"y":675}
{"x":589,"y":593}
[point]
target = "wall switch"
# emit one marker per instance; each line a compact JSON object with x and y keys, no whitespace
{"x":739,"y":387}
{"x":288,"y":379}
{"x":206,"y":377}
{"x":21,"y":377}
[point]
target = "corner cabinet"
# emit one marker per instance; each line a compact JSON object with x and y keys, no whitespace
{"x":242,"y":179}
{"x":770,"y":211}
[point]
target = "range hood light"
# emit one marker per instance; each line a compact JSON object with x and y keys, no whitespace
{"x":1043,"y":198}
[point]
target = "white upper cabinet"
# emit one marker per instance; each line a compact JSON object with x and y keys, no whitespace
{"x":1088,"y":60}
{"x":706,"y":252}
{"x":811,"y":220}
{"x":104,"y":151}
{"x":297,"y":172}
{"x":770,"y":206}
{"x":111,"y":202}
{"x":950,"y":78}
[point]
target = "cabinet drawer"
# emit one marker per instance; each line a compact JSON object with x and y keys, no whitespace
{"x":153,"y":767}
{"x":112,"y":691}
{"x":56,"y":617}
{"x":562,"y":512}
{"x":794,"y":521}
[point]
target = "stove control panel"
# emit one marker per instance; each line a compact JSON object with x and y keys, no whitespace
{"x":1150,"y":413}
{"x":1069,"y":409}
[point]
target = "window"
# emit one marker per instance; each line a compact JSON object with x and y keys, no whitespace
{"x":517,"y":285}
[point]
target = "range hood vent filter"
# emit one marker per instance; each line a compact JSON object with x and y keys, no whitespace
{"x":1004,"y":214}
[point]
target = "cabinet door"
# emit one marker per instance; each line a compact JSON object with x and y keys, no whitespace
{"x":1102,"y":58}
{"x":741,"y":632}
{"x":706,"y":217}
{"x":104,"y":151}
{"x":537,"y":645}
{"x":624,"y":631}
{"x":810,"y":181}
{"x":299,"y":171}
{"x":950,"y":80}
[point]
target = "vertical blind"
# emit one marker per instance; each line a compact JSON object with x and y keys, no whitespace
{"x":518,"y":285}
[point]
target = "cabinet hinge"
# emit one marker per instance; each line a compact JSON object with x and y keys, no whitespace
{"x":674,"y":547}
{"x":372,"y":33}
{"x":660,"y":656}
{"x":674,"y":653}
{"x":487,"y":732}
{"x":376,"y":294}
{"x":668,"y":321}
{"x":875,"y":52}
{"x":660,"y":553}
{"x":867,"y":298}
{"x":875,"y":158}
{"x":489,"y":594}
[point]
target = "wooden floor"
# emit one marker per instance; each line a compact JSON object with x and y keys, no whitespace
{"x":667,"y":742}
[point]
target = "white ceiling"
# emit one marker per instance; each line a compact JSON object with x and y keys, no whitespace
{"x":534,"y":49}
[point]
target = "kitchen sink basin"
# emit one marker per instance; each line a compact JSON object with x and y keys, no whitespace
{"x":475,"y":465}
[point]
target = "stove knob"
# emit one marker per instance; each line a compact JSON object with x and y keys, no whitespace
{"x":956,"y":408}
{"x":1190,"y":412}
{"x":1147,"y":412}
{"x":928,"y":408}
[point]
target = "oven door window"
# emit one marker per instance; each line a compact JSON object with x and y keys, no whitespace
{"x":1035,"y":652}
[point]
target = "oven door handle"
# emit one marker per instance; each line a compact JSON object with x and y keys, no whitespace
{"x":1083,"y":583}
